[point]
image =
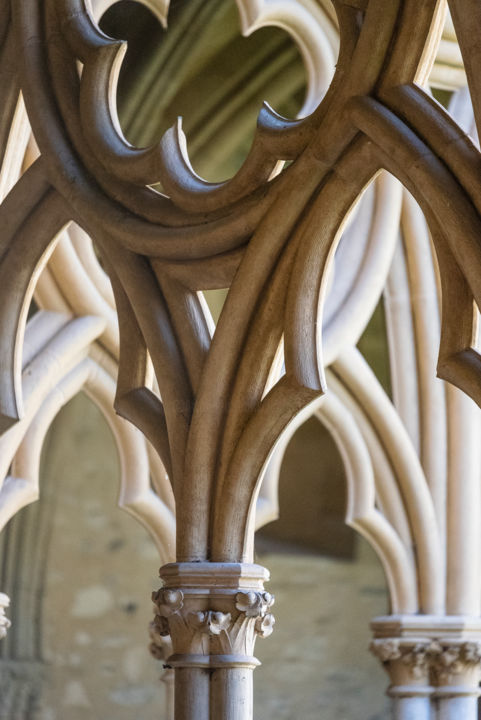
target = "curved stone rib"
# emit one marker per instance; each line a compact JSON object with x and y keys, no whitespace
{"x":361,"y":513}
{"x":22,"y":262}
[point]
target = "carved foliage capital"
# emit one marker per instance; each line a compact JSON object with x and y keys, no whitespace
{"x":415,"y":657}
{"x":231,"y":630}
{"x":444,"y":663}
{"x":257,"y":605}
{"x":456,"y":660}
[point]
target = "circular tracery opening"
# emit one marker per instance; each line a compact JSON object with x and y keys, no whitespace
{"x":202,"y":69}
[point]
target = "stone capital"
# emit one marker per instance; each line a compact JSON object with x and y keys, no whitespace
{"x":213,"y":613}
{"x":443,"y":654}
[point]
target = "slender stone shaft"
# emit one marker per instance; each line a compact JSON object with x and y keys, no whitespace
{"x":410,"y":707}
{"x":232,"y":694}
{"x":191,"y":694}
{"x":457,"y":674}
{"x":454,"y":708}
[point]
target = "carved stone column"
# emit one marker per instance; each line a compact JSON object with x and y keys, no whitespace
{"x":434,"y":664}
{"x":213,"y":613}
{"x":457,"y":674}
{"x":407,"y":664}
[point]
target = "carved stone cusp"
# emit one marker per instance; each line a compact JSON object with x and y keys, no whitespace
{"x":472,"y":652}
{"x":418,"y":658}
{"x":4,"y":621}
{"x":160,"y":643}
{"x":265,"y":626}
{"x":209,"y":622}
{"x":254,"y":604}
{"x":385,"y":650}
{"x":168,"y":601}
{"x":257,"y":605}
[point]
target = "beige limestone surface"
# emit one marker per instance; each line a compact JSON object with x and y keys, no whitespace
{"x":316,"y":665}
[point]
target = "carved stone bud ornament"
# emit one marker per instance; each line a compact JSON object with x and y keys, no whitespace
{"x":4,"y":621}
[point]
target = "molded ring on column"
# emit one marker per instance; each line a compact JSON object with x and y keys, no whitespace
{"x":214,"y":576}
{"x":405,"y":691}
{"x":457,"y":691}
{"x":213,"y":661}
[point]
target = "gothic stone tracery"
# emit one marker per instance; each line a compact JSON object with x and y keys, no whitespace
{"x":217,"y":403}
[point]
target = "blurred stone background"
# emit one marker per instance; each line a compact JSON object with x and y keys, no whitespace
{"x":78,"y":570}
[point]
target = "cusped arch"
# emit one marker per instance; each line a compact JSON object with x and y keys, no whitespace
{"x":59,"y":364}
